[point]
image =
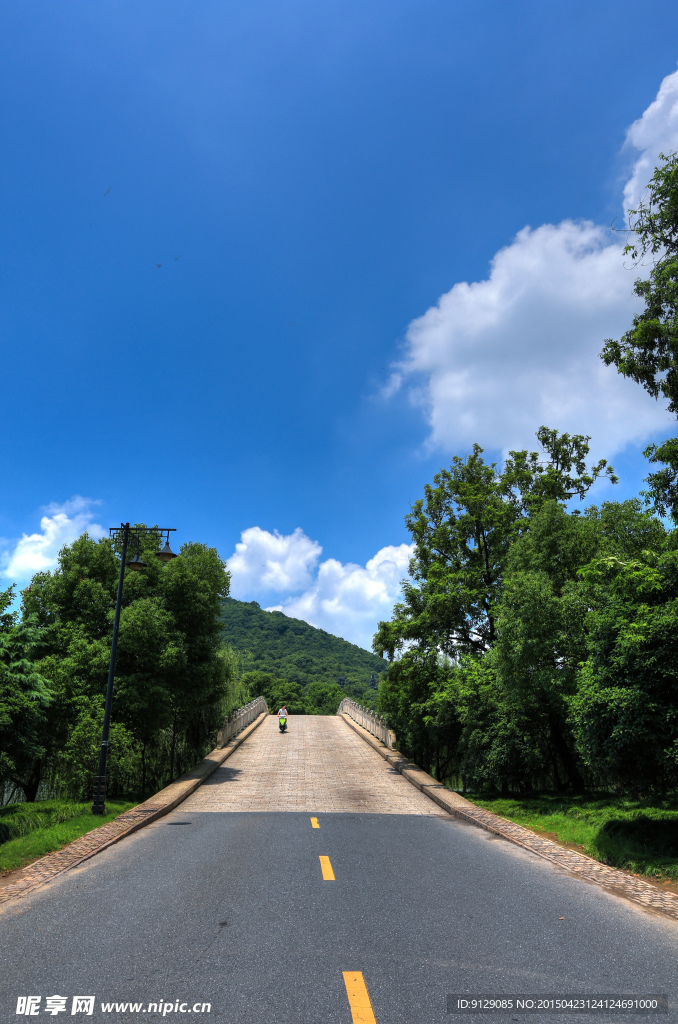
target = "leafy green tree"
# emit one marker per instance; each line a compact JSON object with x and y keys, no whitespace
{"x":648,"y":352}
{"x":459,"y":722}
{"x":625,"y":709}
{"x":503,"y":744}
{"x":542,"y":622}
{"x":418,"y":693}
{"x":276,"y":691}
{"x":323,"y":698}
{"x":540,"y":626}
{"x":78,"y":762}
{"x":173,"y":680}
{"x":462,"y":531}
{"x":24,"y":702}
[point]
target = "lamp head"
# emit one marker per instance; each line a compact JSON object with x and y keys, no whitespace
{"x":166,"y":555}
{"x":137,"y":563}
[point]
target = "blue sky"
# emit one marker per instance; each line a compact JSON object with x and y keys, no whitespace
{"x":235,"y":241}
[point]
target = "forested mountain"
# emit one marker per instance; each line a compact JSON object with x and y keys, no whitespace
{"x":291,"y":649}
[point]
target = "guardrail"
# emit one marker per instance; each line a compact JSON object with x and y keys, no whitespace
{"x":237,"y":720}
{"x":375,"y":724}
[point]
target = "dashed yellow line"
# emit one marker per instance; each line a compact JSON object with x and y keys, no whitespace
{"x":314,"y":823}
{"x":326,"y":868}
{"x":358,"y":998}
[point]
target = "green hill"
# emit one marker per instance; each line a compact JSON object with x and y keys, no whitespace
{"x":291,"y":649}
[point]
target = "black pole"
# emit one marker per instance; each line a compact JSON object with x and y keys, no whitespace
{"x":99,"y":805}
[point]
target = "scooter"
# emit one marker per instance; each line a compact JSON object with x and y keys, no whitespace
{"x":282,"y":724}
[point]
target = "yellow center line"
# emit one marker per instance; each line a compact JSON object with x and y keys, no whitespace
{"x":326,"y":868}
{"x":314,"y":823}
{"x":358,"y":998}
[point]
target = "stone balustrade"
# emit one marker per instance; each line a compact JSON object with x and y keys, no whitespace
{"x":375,"y":724}
{"x":240,"y":719}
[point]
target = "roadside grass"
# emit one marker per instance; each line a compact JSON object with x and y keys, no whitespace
{"x":640,"y":836}
{"x":29,"y":831}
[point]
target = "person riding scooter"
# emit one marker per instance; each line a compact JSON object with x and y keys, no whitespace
{"x":282,"y":718}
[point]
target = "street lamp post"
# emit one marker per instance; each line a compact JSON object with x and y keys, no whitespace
{"x":124,"y":532}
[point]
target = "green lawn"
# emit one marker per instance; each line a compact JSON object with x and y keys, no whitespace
{"x":637,"y":835}
{"x":29,"y":831}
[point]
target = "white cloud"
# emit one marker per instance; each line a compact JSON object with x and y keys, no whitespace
{"x":270,"y":561}
{"x":37,"y":552}
{"x":654,"y":133}
{"x":494,"y":359}
{"x":347,"y":600}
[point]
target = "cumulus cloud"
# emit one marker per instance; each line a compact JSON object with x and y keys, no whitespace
{"x":494,"y":359}
{"x":61,"y":524}
{"x":266,"y":561}
{"x":654,"y":133}
{"x":349,"y":600}
{"x":345,"y":599}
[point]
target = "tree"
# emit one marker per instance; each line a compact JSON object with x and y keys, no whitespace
{"x":543,"y":616}
{"x":648,"y":352}
{"x":24,"y":702}
{"x":174,"y":682}
{"x":540,"y":625}
{"x":276,"y":691}
{"x":462,"y":531}
{"x":625,"y":710}
{"x":323,"y":698}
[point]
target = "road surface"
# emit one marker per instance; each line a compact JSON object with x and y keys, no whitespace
{"x":307,"y":882}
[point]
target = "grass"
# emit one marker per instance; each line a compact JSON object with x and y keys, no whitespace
{"x":640,"y":836}
{"x":29,"y":831}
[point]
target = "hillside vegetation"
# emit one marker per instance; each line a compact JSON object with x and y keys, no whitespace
{"x":314,"y":668}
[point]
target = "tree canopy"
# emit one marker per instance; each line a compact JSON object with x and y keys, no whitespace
{"x":174,"y":681}
{"x":648,"y":351}
{"x":462,"y":530}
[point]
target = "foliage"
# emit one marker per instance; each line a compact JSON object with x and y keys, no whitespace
{"x":574,"y":676}
{"x":316,"y":698}
{"x":648,"y":352}
{"x":312,"y":666}
{"x":174,"y":679}
{"x":24,"y":701}
{"x":625,"y":710}
{"x":462,"y":530}
{"x":77,"y":764}
{"x":276,"y":691}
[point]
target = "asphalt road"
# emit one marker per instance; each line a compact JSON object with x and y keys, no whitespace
{"x":232,"y":910}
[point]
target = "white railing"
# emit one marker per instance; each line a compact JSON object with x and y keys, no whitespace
{"x":238,"y":720}
{"x":375,"y":724}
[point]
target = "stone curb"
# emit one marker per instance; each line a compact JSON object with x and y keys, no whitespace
{"x":53,"y":864}
{"x":632,"y":888}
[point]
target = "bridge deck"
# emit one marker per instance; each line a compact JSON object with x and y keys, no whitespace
{"x":318,"y":765}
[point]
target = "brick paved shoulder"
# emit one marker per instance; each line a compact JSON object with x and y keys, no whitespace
{"x":41,"y":871}
{"x":632,"y":888}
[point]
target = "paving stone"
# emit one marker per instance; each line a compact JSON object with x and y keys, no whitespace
{"x":318,"y":765}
